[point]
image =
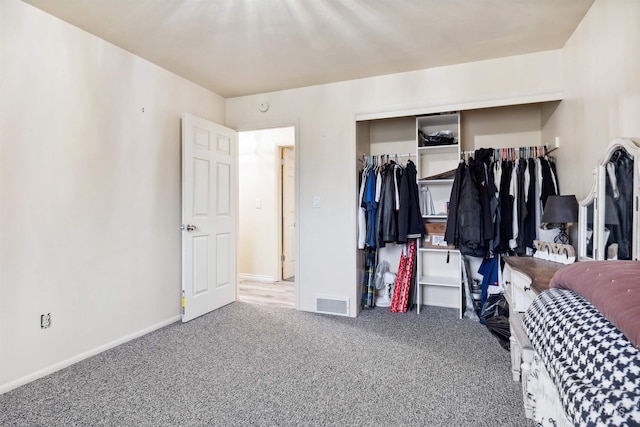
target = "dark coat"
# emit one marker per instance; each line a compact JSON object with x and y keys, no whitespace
{"x":410,"y":224}
{"x":471,"y":239}
{"x":387,"y":210}
{"x":485,"y":186}
{"x":451,"y":233}
{"x":506,"y":208}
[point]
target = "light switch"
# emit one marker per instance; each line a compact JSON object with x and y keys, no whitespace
{"x":258,"y":203}
{"x":316,"y":202}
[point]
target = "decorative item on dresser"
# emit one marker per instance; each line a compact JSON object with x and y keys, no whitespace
{"x":556,"y":252}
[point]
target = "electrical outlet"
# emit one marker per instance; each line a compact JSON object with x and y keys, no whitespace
{"x":45,"y":320}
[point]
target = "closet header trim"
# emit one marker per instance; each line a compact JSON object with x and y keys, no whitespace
{"x":420,"y":111}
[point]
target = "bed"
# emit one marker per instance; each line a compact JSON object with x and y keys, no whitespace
{"x":585,"y":332}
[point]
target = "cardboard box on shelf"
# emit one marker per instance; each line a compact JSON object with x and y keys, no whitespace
{"x":435,"y":236}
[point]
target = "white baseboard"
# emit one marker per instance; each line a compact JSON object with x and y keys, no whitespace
{"x":257,"y":278}
{"x":75,"y":359}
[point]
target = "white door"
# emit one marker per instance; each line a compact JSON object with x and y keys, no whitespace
{"x":288,"y":213}
{"x":209,"y":216}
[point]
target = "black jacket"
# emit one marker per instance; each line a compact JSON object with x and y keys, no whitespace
{"x":485,"y":186}
{"x":506,"y":208}
{"x":470,"y":227}
{"x":387,"y":221}
{"x":410,"y":224}
{"x":451,"y":233}
{"x":464,"y":222}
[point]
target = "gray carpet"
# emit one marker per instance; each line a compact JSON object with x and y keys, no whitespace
{"x":252,"y":365}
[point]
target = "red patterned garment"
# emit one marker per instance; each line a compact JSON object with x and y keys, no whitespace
{"x":396,"y":287}
{"x":403,"y":281}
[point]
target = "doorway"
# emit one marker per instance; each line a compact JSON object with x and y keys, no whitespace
{"x":266,"y":226}
{"x":288,"y":209}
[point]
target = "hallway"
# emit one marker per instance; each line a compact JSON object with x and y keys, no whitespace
{"x":278,"y":294}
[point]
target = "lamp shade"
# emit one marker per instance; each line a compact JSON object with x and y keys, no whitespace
{"x":560,"y":209}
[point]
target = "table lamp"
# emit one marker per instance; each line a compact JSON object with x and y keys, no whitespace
{"x":561,"y":210}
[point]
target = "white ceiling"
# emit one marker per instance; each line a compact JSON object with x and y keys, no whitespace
{"x":242,"y":47}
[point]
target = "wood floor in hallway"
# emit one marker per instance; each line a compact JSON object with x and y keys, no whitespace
{"x":278,"y":294}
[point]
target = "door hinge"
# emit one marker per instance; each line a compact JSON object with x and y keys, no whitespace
{"x":282,"y":162}
{"x":281,"y":257}
{"x":183,"y":302}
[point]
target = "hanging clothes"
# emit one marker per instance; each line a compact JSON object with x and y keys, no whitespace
{"x":529,"y":224}
{"x":451,"y":232}
{"x":371,"y":207}
{"x":521,"y":211}
{"x":397,"y":287}
{"x":489,"y":271}
{"x":368,"y":287}
{"x":496,"y":205}
{"x":514,"y":191}
{"x":619,"y":193}
{"x":362,"y":210}
{"x":549,"y":181}
{"x":505,"y":207}
{"x":405,"y":280}
{"x":387,"y":221}
{"x":538,"y":192}
{"x":480,"y":166}
{"x":410,"y":224}
{"x":389,"y":205}
{"x":496,"y":176}
{"x":469,"y":221}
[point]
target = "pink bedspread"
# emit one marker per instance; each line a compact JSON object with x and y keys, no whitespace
{"x":613,"y":287}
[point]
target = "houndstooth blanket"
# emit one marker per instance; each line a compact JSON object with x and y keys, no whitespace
{"x":594,"y":366}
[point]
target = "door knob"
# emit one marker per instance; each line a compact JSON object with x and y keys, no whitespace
{"x":188,"y":227}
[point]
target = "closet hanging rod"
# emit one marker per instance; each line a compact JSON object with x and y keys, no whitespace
{"x":386,"y":157}
{"x":523,"y":147}
{"x":514,"y":152}
{"x":392,"y":155}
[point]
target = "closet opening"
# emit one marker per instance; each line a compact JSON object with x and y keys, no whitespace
{"x":447,"y":274}
{"x":266,"y":217}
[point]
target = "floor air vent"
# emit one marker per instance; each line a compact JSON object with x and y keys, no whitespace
{"x":332,"y":305}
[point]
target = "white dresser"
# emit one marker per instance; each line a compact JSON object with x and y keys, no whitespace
{"x":524,"y":278}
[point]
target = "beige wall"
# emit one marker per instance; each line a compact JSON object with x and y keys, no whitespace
{"x":89,"y":192}
{"x":326,"y":117}
{"x":259,"y":229}
{"x":515,"y":126}
{"x":602,"y":90}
